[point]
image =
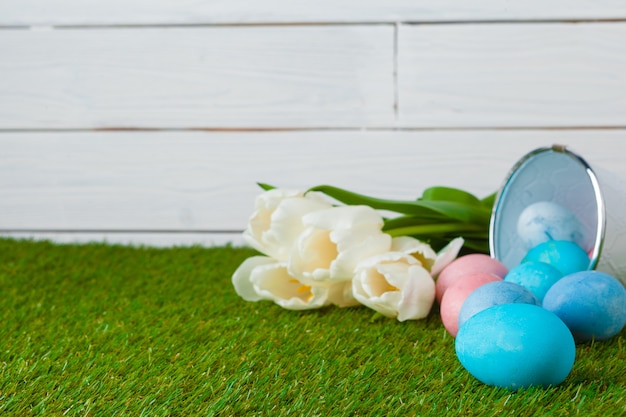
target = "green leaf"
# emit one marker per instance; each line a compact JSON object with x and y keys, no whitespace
{"x":412,"y":220}
{"x":489,"y":201}
{"x":449,"y":194}
{"x":426,"y":208}
{"x":352,"y":198}
{"x":458,"y":211}
{"x":436,"y":229}
{"x":264,"y":186}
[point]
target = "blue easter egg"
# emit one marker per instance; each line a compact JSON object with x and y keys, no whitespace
{"x":564,"y":255}
{"x":516,"y":346}
{"x":492,"y":294}
{"x":545,"y":220}
{"x":591,"y":303}
{"x":537,"y":277}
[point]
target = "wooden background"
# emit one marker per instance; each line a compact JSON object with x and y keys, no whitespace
{"x":150,"y":121}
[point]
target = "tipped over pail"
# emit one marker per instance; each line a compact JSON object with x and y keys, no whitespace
{"x":558,"y":175}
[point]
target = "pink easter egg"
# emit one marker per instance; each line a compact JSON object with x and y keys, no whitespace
{"x":453,"y":299}
{"x":461,"y":266}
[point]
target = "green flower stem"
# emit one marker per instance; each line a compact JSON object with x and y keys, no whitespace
{"x":436,"y":229}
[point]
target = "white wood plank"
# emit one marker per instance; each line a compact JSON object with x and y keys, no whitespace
{"x":81,"y":12}
{"x":199,"y":181}
{"x":512,"y":75}
{"x":209,"y":77}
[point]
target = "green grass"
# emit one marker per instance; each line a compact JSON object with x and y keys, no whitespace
{"x":103,"y":330}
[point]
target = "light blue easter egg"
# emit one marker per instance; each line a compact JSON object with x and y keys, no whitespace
{"x":564,"y":255}
{"x":537,"y":277}
{"x":492,"y":294}
{"x":591,"y":303}
{"x":516,"y":346}
{"x":545,"y":220}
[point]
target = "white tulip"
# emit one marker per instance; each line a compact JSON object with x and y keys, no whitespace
{"x":263,"y":278}
{"x":277,"y":220}
{"x":396,"y":285}
{"x":433,"y":262}
{"x":333,"y":243}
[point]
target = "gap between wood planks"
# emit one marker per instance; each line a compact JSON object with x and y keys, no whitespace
{"x":310,"y":23}
{"x":315,"y":129}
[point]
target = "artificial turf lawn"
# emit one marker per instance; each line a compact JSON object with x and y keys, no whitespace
{"x":103,"y":330}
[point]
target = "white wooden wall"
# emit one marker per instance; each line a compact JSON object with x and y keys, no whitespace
{"x":150,"y":121}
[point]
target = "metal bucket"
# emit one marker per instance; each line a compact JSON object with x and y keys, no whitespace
{"x":556,"y":174}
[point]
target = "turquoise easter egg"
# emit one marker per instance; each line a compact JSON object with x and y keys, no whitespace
{"x":564,"y":255}
{"x":516,"y":346}
{"x":591,"y":303}
{"x":536,"y":277}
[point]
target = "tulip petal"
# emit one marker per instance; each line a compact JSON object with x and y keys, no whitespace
{"x":418,"y":294}
{"x":312,"y":255}
{"x":241,"y":277}
{"x":340,"y":294}
{"x":277,"y":285}
{"x":447,"y":255}
{"x":353,"y":247}
{"x":371,"y":288}
{"x":260,"y":220}
{"x":416,"y":248}
{"x":344,"y":217}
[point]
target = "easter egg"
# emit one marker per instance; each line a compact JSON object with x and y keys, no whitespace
{"x":591,"y":303}
{"x":463,"y":265}
{"x":545,"y":220}
{"x":564,"y":255}
{"x":537,"y":277}
{"x":516,"y":346}
{"x":453,"y":299}
{"x":491,"y":294}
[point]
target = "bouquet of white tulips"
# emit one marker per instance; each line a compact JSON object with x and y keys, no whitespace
{"x":315,"y":252}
